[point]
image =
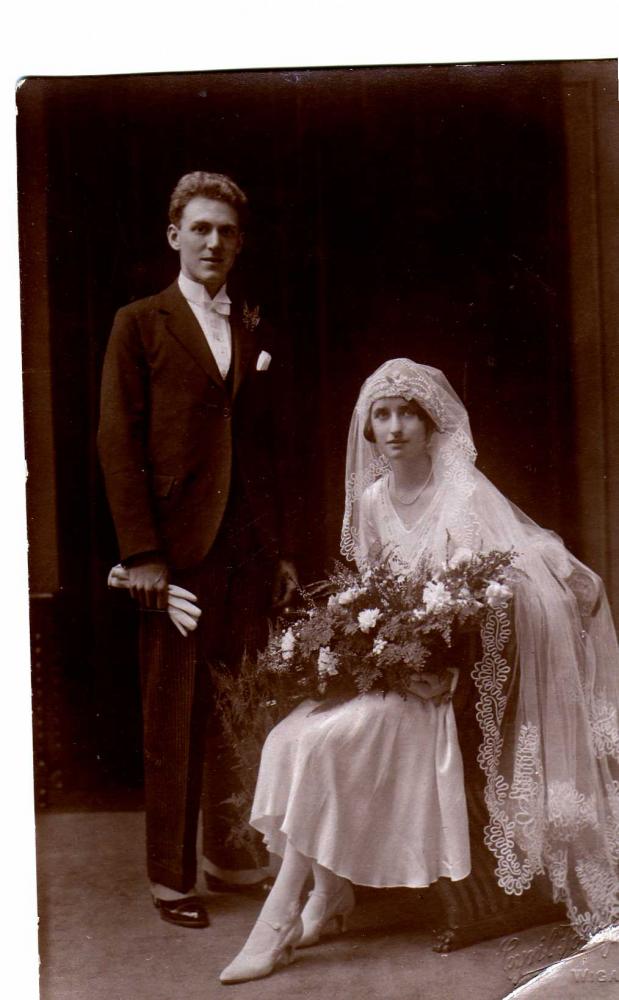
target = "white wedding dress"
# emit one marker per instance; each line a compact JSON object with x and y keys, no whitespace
{"x":372,"y":788}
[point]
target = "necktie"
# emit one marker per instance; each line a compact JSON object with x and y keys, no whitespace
{"x":221,"y":308}
{"x":216,"y":313}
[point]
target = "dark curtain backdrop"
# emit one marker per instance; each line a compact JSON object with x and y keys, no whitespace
{"x":416,"y":211}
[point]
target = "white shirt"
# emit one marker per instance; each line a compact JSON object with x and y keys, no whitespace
{"x":213,"y":316}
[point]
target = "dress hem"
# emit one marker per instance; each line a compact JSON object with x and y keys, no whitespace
{"x":342,"y":874}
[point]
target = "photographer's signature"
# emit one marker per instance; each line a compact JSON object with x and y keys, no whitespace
{"x":521,"y":959}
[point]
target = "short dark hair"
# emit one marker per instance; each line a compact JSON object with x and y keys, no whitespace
{"x":201,"y":184}
{"x":368,"y":433}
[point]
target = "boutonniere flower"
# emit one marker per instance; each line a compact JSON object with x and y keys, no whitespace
{"x":251,"y":317}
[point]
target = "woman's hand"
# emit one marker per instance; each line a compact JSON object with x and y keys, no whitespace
{"x":432,"y":687}
{"x":588,"y":591}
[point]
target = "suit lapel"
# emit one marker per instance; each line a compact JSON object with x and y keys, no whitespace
{"x":184,"y":327}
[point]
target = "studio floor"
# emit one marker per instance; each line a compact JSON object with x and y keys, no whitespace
{"x":101,"y":938}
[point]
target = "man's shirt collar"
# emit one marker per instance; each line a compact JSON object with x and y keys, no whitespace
{"x":198,"y":294}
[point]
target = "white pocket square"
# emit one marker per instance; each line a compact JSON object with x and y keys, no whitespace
{"x":263,"y":362}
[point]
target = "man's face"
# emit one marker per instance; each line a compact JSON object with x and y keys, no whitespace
{"x":208,"y":239}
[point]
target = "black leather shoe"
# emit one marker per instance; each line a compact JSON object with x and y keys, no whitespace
{"x":259,"y":889}
{"x":189,"y":911}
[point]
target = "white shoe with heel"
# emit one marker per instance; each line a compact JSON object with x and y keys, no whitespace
{"x":323,"y":907}
{"x":255,"y":961}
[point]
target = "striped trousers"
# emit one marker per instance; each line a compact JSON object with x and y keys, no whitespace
{"x":187,"y":765}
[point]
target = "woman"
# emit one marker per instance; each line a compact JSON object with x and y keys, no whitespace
{"x":371,"y":791}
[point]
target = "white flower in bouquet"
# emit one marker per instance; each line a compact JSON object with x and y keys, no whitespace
{"x":467,"y":604}
{"x":287,"y":644}
{"x":497,"y":594}
{"x":436,"y":596}
{"x":461,"y":557}
{"x":367,"y":619}
{"x":327,"y":662}
{"x":466,"y":609}
{"x":347,"y":596}
{"x":379,"y":645}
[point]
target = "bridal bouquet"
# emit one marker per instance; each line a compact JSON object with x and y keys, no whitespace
{"x":355,"y":632}
{"x":380,"y":629}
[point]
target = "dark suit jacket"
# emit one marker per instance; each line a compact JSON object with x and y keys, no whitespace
{"x":170,"y":427}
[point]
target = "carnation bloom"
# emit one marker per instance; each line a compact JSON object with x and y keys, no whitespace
{"x":367,"y":619}
{"x":436,"y":596}
{"x":287,"y":644}
{"x":347,"y":596}
{"x":327,"y":662}
{"x":497,"y":594}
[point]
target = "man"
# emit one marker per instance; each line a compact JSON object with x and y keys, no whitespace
{"x":186,"y":447}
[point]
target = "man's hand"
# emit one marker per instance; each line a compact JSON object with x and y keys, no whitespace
{"x":285,"y":584}
{"x":148,"y":584}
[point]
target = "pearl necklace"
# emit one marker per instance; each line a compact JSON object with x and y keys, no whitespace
{"x":409,"y":503}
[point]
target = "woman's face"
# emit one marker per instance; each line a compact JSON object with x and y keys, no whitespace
{"x":400,"y":432}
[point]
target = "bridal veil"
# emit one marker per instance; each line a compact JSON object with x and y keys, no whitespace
{"x":548,"y":678}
